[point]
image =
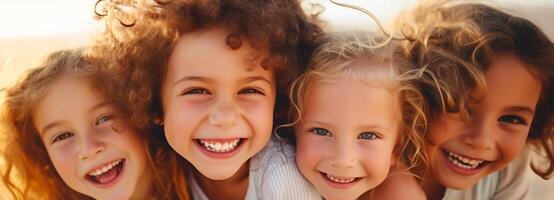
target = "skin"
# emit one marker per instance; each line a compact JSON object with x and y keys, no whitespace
{"x":495,"y":134}
{"x":354,"y":140}
{"x":76,"y":125}
{"x":216,"y":94}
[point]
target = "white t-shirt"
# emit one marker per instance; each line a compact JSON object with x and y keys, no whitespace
{"x":507,"y":184}
{"x":273,"y":175}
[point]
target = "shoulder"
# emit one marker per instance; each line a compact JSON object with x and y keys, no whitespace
{"x":389,"y":189}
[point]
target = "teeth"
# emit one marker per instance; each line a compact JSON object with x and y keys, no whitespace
{"x":219,"y":146}
{"x":339,"y":180}
{"x":463,"y":162}
{"x":105,"y":168}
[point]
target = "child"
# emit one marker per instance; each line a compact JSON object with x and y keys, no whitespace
{"x":357,"y":117}
{"x":495,"y":87}
{"x":214,"y":74}
{"x":66,"y":140}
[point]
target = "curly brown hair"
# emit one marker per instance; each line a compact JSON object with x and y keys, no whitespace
{"x":28,"y":173}
{"x":457,"y":43}
{"x":140,"y":36}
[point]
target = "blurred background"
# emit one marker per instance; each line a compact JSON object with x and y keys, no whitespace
{"x":30,"y":29}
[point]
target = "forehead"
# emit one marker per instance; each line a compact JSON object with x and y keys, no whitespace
{"x":206,"y":52}
{"x":509,"y":79}
{"x":66,"y":96}
{"x":349,"y":102}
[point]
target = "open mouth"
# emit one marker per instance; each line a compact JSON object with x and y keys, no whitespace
{"x":464,"y":162}
{"x":106,"y":174}
{"x":220,"y":146}
{"x":340,"y":182}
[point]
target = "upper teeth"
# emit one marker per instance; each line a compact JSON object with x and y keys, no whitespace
{"x":463,"y":162}
{"x":220,"y":146}
{"x":340,"y":180}
{"x":105,"y":168}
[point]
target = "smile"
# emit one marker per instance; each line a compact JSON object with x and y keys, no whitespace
{"x":107,"y":174}
{"x":220,"y":146}
{"x":339,"y":182}
{"x":464,"y":162}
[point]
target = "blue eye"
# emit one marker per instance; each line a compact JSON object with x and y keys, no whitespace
{"x":62,"y":136}
{"x":196,"y":91}
{"x":368,"y":136}
{"x":512,"y":119}
{"x":102,"y":119}
{"x":250,"y":91}
{"x":321,"y":132}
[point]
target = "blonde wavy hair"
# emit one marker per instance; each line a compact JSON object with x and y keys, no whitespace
{"x":367,"y":59}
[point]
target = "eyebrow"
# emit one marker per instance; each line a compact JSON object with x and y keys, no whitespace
{"x":203,"y":79}
{"x":521,"y":109}
{"x":57,"y":123}
{"x":363,"y":127}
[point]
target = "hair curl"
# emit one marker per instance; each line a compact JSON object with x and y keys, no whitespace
{"x":28,"y":173}
{"x":339,"y":58}
{"x":456,"y":43}
{"x":280,"y":32}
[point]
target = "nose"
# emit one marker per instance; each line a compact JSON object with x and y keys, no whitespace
{"x":345,"y":155}
{"x":224,"y":114}
{"x":91,"y":146}
{"x":480,"y":135}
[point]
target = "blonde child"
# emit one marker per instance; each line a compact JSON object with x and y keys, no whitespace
{"x":214,"y":75}
{"x":357,"y":116}
{"x":66,"y":140}
{"x":495,"y":87}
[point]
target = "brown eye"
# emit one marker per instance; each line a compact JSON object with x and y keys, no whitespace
{"x":62,"y":136}
{"x":196,"y":91}
{"x":251,"y":91}
{"x":512,"y":119}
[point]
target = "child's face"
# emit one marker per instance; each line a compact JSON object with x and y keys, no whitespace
{"x":461,"y":153}
{"x":75,"y":125}
{"x":346,"y":138}
{"x":218,"y":105}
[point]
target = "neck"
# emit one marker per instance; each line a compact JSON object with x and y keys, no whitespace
{"x":433,"y":189}
{"x":232,"y":188}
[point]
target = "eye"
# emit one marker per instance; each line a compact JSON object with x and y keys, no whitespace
{"x":250,"y":91}
{"x":368,"y":136}
{"x":512,"y":119}
{"x":196,"y":91}
{"x":62,"y":136}
{"x":102,"y":119}
{"x":321,"y":131}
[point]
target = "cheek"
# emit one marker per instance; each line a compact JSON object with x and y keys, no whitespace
{"x":377,"y":158}
{"x":511,"y":145}
{"x":308,"y":153}
{"x":65,"y":163}
{"x":179,"y":118}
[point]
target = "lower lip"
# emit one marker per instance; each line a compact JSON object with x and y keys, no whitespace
{"x":459,"y":170}
{"x":112,"y":182}
{"x":221,"y":155}
{"x":336,"y":184}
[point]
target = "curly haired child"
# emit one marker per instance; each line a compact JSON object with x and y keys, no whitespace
{"x":66,"y":140}
{"x":214,"y":76}
{"x":357,"y":116}
{"x":489,"y":87}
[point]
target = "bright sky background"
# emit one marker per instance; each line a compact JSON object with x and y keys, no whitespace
{"x":24,"y":18}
